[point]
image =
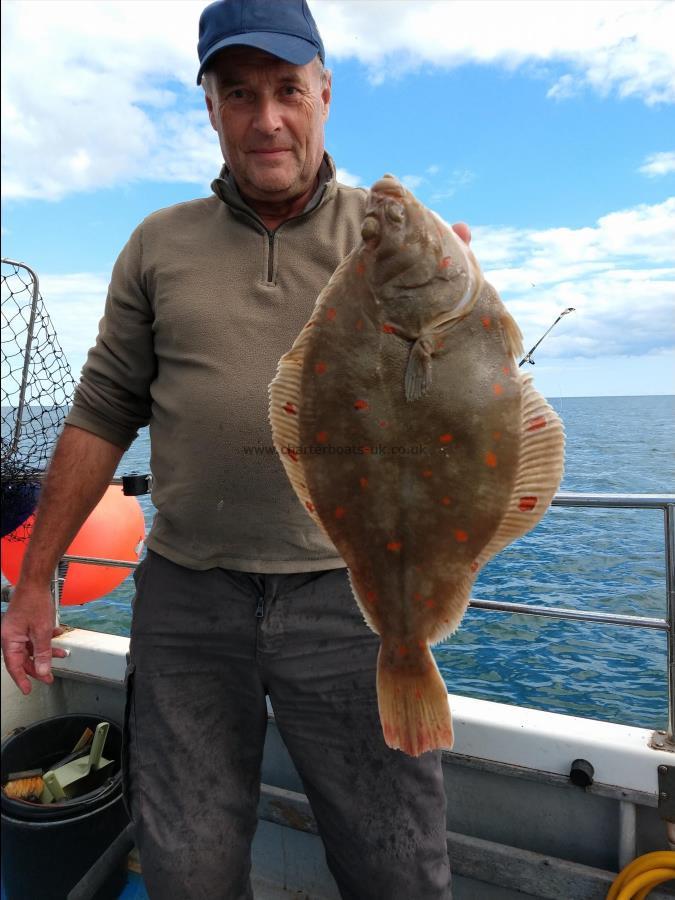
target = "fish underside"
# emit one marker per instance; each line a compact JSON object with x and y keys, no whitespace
{"x":411,"y":437}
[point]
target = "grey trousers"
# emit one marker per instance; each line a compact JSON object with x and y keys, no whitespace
{"x":206,"y":647}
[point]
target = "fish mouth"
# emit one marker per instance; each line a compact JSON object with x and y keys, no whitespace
{"x":390,"y":187}
{"x":386,"y":208}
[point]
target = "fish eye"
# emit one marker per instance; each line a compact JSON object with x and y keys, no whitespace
{"x":370,"y":230}
{"x":394,"y":212}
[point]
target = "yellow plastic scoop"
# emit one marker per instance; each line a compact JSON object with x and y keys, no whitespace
{"x":58,"y":781}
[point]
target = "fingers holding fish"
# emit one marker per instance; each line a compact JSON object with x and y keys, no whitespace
{"x":462,"y":231}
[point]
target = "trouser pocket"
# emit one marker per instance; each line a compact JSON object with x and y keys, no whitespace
{"x":129,"y":743}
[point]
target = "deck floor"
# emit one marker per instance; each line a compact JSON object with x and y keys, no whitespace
{"x":262,"y":890}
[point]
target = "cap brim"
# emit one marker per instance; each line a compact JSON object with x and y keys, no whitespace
{"x":292,"y":49}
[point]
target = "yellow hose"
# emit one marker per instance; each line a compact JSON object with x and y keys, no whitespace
{"x":637,"y":879}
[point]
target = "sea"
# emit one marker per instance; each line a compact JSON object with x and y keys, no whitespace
{"x":583,"y":559}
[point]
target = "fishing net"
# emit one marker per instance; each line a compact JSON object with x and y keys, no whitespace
{"x":37,"y":388}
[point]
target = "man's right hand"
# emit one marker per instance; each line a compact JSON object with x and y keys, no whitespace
{"x":27,"y":632}
{"x":79,"y":472}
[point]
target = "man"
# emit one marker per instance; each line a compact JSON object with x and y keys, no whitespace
{"x":240,"y":595}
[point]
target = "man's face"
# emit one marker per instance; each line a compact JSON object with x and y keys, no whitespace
{"x":270,"y":116}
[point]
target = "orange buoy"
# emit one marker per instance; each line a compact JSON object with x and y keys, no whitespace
{"x":115,"y":529}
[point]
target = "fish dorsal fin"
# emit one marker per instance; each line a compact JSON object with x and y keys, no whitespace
{"x":540,"y":470}
{"x":284,"y":406}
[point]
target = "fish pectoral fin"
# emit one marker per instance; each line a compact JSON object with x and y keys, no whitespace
{"x":418,"y":370}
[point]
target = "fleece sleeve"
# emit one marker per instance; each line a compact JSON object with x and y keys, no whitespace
{"x":112,"y":399}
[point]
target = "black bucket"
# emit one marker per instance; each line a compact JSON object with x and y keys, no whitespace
{"x":47,"y":848}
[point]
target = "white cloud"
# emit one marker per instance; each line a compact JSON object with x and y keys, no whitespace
{"x":412,"y":182}
{"x":621,"y":285}
{"x":447,"y":187}
{"x":658,"y":164}
{"x":565,"y":87}
{"x":618,"y":275}
{"x":621,"y":46}
{"x":111,"y":98}
{"x":85,"y":118}
{"x":437,"y":187}
{"x":345,"y":177}
{"x":75,"y":304}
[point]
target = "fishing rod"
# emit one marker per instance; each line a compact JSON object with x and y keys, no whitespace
{"x":528,"y":355}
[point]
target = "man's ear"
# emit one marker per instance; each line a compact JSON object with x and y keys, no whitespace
{"x":212,"y":115}
{"x":326,"y":93}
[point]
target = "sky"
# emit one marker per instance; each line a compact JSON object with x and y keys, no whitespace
{"x":547,"y":126}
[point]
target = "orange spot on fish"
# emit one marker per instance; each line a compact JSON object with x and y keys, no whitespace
{"x":461,"y":536}
{"x":359,"y":268}
{"x":361,"y":404}
{"x":536,"y":423}
{"x":418,"y":597}
{"x":439,"y":343}
{"x":446,"y":501}
{"x":321,"y":437}
{"x":485,"y":322}
{"x":422,"y":645}
{"x":340,"y":512}
{"x":383,"y":423}
{"x":497,"y":389}
{"x":427,"y":473}
{"x":320,"y":368}
{"x":490,"y":459}
{"x":359,"y":324}
{"x":371,"y":597}
{"x":445,"y":263}
{"x":394,"y":546}
{"x":388,"y":329}
{"x":366,"y":450}
{"x":309,"y":505}
{"x":331,"y":312}
{"x":445,"y":438}
{"x":290,"y":408}
{"x":506,"y":370}
{"x":363,"y":482}
{"x":403,"y":650}
{"x":527,"y":504}
{"x":430,"y":603}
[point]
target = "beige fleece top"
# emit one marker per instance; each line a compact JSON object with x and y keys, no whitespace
{"x":202,"y":303}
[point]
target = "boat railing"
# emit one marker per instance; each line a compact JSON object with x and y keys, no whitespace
{"x":663,"y":502}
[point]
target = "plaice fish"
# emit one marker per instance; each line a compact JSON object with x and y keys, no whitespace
{"x":411,"y":437}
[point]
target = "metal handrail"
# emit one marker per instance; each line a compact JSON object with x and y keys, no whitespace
{"x":664,"y":502}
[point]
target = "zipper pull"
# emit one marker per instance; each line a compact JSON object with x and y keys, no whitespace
{"x":260,"y":609}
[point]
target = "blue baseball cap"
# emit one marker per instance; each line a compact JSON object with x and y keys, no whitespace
{"x":284,"y":28}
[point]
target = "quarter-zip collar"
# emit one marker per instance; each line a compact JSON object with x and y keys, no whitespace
{"x":225,"y":188}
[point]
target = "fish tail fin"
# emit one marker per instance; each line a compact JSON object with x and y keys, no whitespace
{"x":413,"y":701}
